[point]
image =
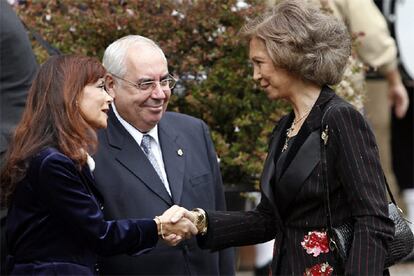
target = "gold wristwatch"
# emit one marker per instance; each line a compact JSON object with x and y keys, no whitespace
{"x":201,"y":220}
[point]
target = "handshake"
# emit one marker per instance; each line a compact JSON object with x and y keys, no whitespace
{"x":177,"y":224}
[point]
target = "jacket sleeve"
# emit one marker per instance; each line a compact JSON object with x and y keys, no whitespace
{"x":239,"y":228}
{"x":376,"y":47}
{"x":227,"y":264}
{"x":69,"y":201}
{"x":359,"y":170}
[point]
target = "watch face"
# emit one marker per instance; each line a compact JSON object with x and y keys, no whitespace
{"x":200,"y":221}
{"x":199,"y":218}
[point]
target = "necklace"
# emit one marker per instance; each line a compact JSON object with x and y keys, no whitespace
{"x":292,"y":128}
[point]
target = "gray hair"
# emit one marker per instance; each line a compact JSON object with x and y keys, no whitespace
{"x":303,"y":40}
{"x":115,"y":54}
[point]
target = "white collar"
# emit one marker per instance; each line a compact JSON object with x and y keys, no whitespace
{"x":90,"y":162}
{"x":135,"y":133}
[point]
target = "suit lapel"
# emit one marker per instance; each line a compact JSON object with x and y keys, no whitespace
{"x":89,"y":180}
{"x":133,"y":158}
{"x":304,"y":154}
{"x":269,"y":166}
{"x":299,"y":169}
{"x":312,"y":123}
{"x":174,"y":155}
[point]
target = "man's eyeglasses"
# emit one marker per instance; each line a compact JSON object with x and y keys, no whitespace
{"x":167,"y":83}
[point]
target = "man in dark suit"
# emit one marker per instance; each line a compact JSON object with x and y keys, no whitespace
{"x":149,"y":159}
{"x":18,"y":67}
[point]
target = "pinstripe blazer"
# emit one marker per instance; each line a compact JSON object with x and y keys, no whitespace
{"x":292,"y":206}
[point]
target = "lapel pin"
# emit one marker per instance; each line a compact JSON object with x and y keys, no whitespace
{"x":180,"y":152}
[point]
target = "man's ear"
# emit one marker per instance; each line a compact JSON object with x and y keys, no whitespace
{"x":109,"y":85}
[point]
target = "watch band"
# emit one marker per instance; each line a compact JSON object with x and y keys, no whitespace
{"x":201,"y":220}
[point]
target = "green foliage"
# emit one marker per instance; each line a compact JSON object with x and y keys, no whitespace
{"x":201,"y":41}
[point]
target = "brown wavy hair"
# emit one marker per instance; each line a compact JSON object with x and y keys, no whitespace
{"x":303,"y":40}
{"x":52,"y":118}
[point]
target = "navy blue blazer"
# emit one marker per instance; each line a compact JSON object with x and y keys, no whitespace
{"x":55,"y":223}
{"x":132,"y":188}
{"x":292,"y":209}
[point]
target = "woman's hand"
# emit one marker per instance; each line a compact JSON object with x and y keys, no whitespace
{"x":176,"y":224}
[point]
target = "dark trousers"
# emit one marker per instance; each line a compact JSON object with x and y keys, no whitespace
{"x":402,"y":146}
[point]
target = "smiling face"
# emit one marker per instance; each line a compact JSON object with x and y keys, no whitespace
{"x":276,"y":81}
{"x":94,"y":104}
{"x":142,"y":109}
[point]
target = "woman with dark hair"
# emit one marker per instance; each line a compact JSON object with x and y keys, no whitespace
{"x":297,"y":52}
{"x":55,"y":224}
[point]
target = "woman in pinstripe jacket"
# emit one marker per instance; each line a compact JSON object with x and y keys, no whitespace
{"x":296,"y":53}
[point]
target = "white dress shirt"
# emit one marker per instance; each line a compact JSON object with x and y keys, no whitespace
{"x":155,"y":144}
{"x":90,"y":162}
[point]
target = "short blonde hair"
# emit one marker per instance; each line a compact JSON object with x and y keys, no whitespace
{"x":303,"y":40}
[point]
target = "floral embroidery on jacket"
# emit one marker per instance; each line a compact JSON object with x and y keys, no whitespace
{"x":323,"y":269}
{"x":316,"y":243}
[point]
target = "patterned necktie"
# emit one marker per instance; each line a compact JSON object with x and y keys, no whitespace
{"x":146,"y":147}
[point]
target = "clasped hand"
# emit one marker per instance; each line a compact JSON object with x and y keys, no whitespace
{"x":175,"y":225}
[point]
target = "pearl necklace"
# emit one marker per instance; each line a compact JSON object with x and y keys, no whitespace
{"x":292,"y":128}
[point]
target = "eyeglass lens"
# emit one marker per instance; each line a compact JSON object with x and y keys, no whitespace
{"x":165,"y":83}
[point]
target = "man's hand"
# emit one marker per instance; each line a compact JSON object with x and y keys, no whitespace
{"x":397,"y":93}
{"x":399,"y":100}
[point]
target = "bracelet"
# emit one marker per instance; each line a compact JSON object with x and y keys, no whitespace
{"x":161,"y":233}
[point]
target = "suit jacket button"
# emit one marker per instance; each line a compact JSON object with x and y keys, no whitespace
{"x":96,"y":268}
{"x":102,"y":207}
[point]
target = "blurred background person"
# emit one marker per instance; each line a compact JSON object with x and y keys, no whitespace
{"x":377,"y":48}
{"x":18,"y":67}
{"x":399,"y":17}
{"x":374,"y":44}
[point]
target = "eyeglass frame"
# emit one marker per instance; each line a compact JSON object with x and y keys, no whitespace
{"x":153,"y":82}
